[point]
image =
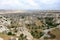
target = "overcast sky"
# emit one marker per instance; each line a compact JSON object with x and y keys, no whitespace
{"x":30,"y":4}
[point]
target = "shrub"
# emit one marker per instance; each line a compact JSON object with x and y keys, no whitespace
{"x":9,"y":33}
{"x":36,"y":34}
{"x":22,"y":37}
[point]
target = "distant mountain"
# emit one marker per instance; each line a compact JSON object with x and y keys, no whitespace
{"x":26,"y":11}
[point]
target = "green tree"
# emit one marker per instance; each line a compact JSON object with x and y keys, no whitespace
{"x":51,"y":22}
{"x":36,"y":34}
{"x":22,"y":37}
{"x":9,"y":33}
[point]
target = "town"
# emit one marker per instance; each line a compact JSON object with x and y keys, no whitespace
{"x":30,"y":25}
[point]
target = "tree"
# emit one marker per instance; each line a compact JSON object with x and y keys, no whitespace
{"x":36,"y":34}
{"x":50,"y":22}
{"x":22,"y":37}
{"x":9,"y":33}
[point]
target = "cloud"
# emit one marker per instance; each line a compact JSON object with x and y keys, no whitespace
{"x":18,"y":4}
{"x":48,"y":4}
{"x":48,"y":1}
{"x":10,"y":2}
{"x":29,"y":4}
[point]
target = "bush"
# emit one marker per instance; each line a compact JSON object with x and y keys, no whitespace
{"x":51,"y":22}
{"x":36,"y":34}
{"x":41,"y":34}
{"x":9,"y":33}
{"x":22,"y":37}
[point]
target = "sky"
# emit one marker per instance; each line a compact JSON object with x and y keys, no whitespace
{"x":30,"y":4}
